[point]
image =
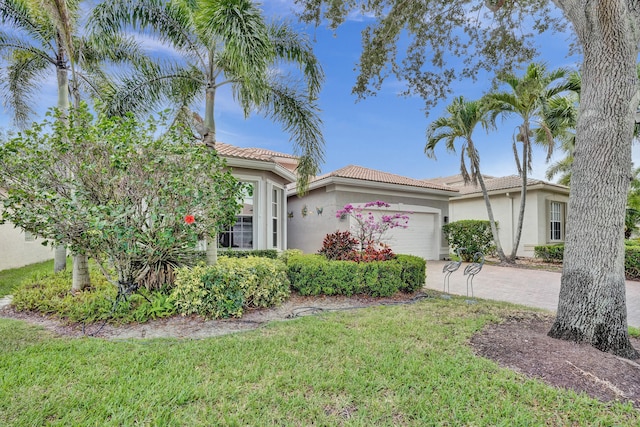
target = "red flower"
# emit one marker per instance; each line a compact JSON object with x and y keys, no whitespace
{"x":189,"y":219}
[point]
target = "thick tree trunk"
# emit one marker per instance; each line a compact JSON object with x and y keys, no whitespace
{"x":592,"y":306}
{"x":81,"y":278}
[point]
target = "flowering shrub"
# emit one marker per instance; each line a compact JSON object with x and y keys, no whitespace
{"x":368,"y":230}
{"x":340,"y":245}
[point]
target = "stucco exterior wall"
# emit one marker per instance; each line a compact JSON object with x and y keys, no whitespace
{"x":307,"y":232}
{"x":506,"y":208}
{"x":15,"y":251}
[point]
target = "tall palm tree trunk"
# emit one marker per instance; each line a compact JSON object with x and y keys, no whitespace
{"x":492,"y":221}
{"x":60,"y":253}
{"x":210,"y":140}
{"x":523,"y":191}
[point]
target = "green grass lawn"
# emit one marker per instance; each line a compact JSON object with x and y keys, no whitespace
{"x":391,"y":365}
{"x":14,"y":276}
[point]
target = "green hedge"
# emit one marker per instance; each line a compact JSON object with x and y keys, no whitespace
{"x":473,"y":235}
{"x":315,"y":275}
{"x":549,"y":253}
{"x":224,"y":290}
{"x":555,"y":253}
{"x":261,"y":253}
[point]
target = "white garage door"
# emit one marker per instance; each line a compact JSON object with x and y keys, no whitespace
{"x":419,"y":239}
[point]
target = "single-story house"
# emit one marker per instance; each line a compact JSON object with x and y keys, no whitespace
{"x":545,"y":209}
{"x":275,"y":217}
{"x":313,"y":216}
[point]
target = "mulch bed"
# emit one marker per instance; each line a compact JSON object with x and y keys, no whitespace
{"x":522,"y":344}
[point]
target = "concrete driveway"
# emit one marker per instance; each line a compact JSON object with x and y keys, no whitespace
{"x":532,"y":288}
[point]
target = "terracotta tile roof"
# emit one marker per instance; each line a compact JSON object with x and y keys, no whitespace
{"x":502,"y":183}
{"x":228,"y":150}
{"x":366,"y":174}
{"x":453,"y":180}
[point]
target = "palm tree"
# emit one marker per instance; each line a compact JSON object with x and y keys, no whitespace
{"x":529,"y":98}
{"x":462,"y":119}
{"x":44,"y":39}
{"x":562,"y":117}
{"x":221,"y":43}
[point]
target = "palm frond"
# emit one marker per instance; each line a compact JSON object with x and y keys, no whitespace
{"x":295,"y":47}
{"x":240,"y":25}
{"x":20,"y":15}
{"x":300,"y":118}
{"x":145,"y":89}
{"x":20,"y":82}
{"x":172,"y":22}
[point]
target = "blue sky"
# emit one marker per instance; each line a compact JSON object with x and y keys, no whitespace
{"x":387,"y":131}
{"x":384,"y":132}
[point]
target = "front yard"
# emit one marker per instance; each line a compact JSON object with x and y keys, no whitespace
{"x":395,"y":365}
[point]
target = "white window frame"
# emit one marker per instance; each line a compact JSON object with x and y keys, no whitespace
{"x":253,"y":216}
{"x":556,"y":221}
{"x":275,"y":228}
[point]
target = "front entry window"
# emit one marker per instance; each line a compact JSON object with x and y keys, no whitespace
{"x":240,"y":235}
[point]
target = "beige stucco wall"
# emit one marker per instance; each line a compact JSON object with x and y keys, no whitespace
{"x":16,"y":252}
{"x":506,"y":207}
{"x":307,"y":232}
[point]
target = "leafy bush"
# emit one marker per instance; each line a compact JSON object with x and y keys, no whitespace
{"x":49,"y":294}
{"x":285,"y":255}
{"x":632,"y":262}
{"x":414,"y":272}
{"x":225,"y":289}
{"x":555,"y":253}
{"x":263,"y":253}
{"x":208,"y":292}
{"x":128,"y":194}
{"x":315,"y":275}
{"x":474,"y":235}
{"x":550,"y":253}
{"x":373,"y":253}
{"x":340,"y":245}
{"x":263,"y":281}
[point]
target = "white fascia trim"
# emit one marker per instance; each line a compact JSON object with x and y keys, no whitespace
{"x":261,"y":165}
{"x":359,"y":185}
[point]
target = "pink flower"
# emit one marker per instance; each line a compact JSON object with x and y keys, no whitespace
{"x":189,"y":219}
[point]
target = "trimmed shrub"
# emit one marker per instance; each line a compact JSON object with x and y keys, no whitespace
{"x":261,"y":253}
{"x":340,"y":245}
{"x":632,"y":262}
{"x":414,"y":272}
{"x":550,"y":253}
{"x":263,"y":281}
{"x":315,"y":275}
{"x":555,"y":253}
{"x":233,"y":284}
{"x":204,"y":290}
{"x":474,"y":235}
{"x":285,"y":255}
